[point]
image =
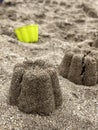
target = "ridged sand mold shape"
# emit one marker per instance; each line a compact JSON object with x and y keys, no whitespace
{"x":80,"y":65}
{"x":35,"y":88}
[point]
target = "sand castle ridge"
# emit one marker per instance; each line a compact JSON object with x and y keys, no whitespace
{"x":80,"y":64}
{"x":35,"y":88}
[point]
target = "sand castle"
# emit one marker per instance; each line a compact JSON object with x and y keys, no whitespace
{"x":80,"y":64}
{"x":35,"y":88}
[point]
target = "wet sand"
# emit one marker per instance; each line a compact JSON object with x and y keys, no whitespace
{"x":61,"y":24}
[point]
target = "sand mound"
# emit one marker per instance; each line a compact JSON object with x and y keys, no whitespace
{"x":80,"y":65}
{"x":35,"y":88}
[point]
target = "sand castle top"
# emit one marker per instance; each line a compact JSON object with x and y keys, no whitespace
{"x":80,"y":64}
{"x":35,"y":87}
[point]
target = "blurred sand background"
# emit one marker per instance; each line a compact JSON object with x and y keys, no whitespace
{"x":62,"y":23}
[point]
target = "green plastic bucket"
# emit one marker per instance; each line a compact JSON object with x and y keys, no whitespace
{"x":28,"y":33}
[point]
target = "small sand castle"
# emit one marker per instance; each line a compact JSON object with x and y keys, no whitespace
{"x":80,"y":64}
{"x":35,"y":88}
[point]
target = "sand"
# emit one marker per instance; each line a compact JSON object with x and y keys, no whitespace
{"x":35,"y":88}
{"x":61,"y":24}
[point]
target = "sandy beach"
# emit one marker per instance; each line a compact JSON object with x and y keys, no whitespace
{"x":62,"y":23}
